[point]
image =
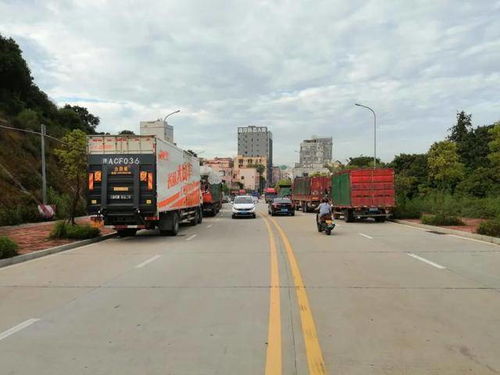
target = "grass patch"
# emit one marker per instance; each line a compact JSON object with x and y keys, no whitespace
{"x":8,"y":248}
{"x":448,"y":205}
{"x":63,"y":229}
{"x":441,"y":219}
{"x":490,"y":228}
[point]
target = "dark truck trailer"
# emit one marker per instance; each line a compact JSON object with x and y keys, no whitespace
{"x":141,"y":182}
{"x":284,"y":190}
{"x":362,"y":193}
{"x":211,"y":187}
{"x":307,"y":192}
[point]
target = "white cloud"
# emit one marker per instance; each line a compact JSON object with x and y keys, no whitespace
{"x":295,"y":66}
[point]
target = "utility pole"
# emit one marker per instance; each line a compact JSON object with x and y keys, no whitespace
{"x":44,"y":176}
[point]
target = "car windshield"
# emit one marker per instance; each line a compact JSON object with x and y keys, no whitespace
{"x":243,"y":200}
{"x":282,"y":200}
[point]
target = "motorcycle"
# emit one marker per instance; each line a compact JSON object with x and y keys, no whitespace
{"x":325,"y":224}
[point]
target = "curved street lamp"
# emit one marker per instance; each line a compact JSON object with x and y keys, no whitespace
{"x":170,"y":114}
{"x":374,"y":133}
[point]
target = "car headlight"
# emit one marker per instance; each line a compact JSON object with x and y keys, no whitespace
{"x":234,"y":210}
{"x":253,"y":209}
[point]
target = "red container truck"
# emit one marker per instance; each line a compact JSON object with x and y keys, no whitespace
{"x":307,"y":192}
{"x":361,"y":193}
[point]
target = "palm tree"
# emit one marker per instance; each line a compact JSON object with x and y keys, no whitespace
{"x":260,"y":170}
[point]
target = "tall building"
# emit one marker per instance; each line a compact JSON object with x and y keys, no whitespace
{"x":315,"y":151}
{"x":314,"y":154}
{"x":158,"y":128}
{"x":257,"y":141}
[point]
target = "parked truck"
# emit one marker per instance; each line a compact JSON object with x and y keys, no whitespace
{"x":363,"y":193}
{"x":142,"y":182}
{"x":284,"y":190}
{"x":307,"y":192}
{"x":269,"y":194}
{"x":211,"y":189}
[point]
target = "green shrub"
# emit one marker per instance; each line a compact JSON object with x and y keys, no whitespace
{"x":490,"y":228}
{"x":441,"y":219}
{"x":407,"y":210}
{"x":63,"y":229}
{"x":8,"y":248}
{"x":449,"y":205}
{"x":59,"y":230}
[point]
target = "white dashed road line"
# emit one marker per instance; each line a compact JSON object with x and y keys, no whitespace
{"x":209,"y":226}
{"x":17,"y":328}
{"x":427,"y":261}
{"x":191,"y":237}
{"x":140,"y":265}
{"x":366,"y":236}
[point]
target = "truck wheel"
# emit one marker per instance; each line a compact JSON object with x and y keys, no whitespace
{"x":348,"y":216}
{"x":174,"y":229}
{"x":200,"y":215}
{"x":169,"y":224}
{"x":380,"y":219}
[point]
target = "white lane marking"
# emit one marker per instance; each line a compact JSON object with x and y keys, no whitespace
{"x":471,"y":239}
{"x":152,"y":259}
{"x":17,"y":328}
{"x":209,"y":226}
{"x":427,"y":261}
{"x":366,"y":236}
{"x":217,"y":219}
{"x":191,"y":237}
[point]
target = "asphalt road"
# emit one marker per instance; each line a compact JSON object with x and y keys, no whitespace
{"x":263,"y":296}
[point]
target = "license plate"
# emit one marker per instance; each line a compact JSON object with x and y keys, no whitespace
{"x":284,"y":210}
{"x":121,"y":196}
{"x":329,"y":222}
{"x":373,"y":209}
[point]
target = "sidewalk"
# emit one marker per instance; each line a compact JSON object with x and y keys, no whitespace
{"x":34,"y":236}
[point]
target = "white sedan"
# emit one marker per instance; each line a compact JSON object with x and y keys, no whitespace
{"x":243,"y":205}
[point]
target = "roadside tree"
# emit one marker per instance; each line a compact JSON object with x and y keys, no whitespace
{"x":73,"y":161}
{"x":445,"y":168}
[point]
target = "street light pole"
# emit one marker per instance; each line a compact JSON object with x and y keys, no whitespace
{"x":374,"y":133}
{"x":44,"y":177}
{"x":170,"y":114}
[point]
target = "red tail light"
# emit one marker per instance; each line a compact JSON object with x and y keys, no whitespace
{"x":150,"y":181}
{"x":91,"y":181}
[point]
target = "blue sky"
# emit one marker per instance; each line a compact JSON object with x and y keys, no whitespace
{"x":297,"y":67}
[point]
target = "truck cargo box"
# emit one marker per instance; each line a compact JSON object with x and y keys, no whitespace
{"x":134,"y":179}
{"x":364,"y":192}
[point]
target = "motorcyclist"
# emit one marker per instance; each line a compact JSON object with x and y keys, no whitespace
{"x":324,"y":210}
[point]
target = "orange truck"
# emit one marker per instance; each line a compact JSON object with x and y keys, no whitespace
{"x":142,"y":182}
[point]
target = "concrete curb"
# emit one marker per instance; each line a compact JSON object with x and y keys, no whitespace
{"x":52,"y":250}
{"x":480,"y":237}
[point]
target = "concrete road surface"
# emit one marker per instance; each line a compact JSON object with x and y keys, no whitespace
{"x":257,"y":296}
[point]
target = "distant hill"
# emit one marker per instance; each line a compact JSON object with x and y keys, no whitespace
{"x":24,"y":106}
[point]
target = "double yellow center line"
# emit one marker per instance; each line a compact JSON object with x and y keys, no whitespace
{"x":315,"y":362}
